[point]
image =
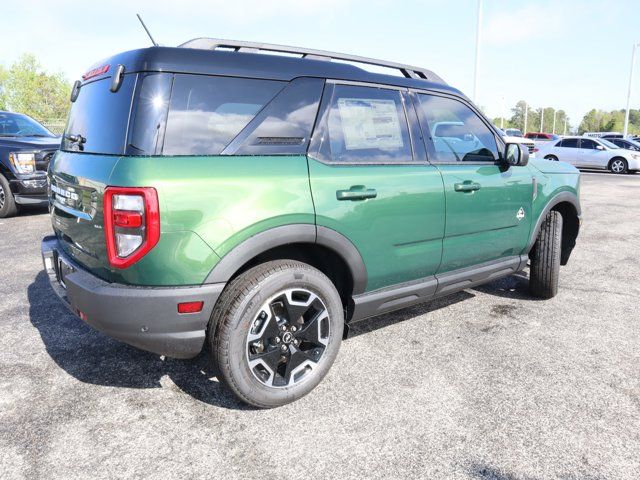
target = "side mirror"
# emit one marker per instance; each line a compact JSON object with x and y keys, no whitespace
{"x":599,"y":147}
{"x":516,"y":154}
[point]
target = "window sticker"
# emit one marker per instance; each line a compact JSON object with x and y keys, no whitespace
{"x":370,"y":123}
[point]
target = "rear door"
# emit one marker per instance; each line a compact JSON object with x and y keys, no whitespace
{"x":371,"y":182}
{"x":488,"y":203}
{"x":567,"y":150}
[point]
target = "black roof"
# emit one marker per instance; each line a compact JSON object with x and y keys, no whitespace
{"x":254,"y":65}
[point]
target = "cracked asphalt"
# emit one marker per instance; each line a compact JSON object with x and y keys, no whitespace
{"x":487,"y":384}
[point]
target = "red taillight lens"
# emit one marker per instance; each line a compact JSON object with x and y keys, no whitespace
{"x":190,"y":307}
{"x":127,"y":219}
{"x":131,"y":223}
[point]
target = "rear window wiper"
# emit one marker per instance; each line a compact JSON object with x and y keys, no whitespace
{"x":79,"y":139}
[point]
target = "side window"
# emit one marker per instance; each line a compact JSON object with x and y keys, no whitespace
{"x":569,"y":143}
{"x":454,"y":132}
{"x":366,"y":125}
{"x":588,"y":144}
{"x":206,"y":113}
{"x":284,"y":126}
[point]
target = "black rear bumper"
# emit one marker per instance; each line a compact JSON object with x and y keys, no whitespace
{"x":145,"y":317}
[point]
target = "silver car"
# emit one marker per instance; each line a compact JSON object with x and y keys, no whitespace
{"x":585,"y":152}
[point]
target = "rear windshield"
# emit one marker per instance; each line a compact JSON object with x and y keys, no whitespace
{"x":99,"y":118}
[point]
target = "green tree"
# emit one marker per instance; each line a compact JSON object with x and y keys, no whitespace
{"x":26,"y":88}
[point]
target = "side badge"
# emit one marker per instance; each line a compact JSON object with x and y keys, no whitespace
{"x":520,"y":214}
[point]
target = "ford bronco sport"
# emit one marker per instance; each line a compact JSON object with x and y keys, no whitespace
{"x":259,"y":199}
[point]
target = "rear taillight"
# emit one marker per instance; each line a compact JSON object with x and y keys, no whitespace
{"x":131,"y":223}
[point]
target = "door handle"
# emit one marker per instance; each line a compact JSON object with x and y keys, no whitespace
{"x":466,"y":186}
{"x":356,"y":192}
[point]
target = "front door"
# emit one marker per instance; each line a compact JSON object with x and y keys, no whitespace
{"x":370,"y":182}
{"x":590,"y":156}
{"x":488,"y":213}
{"x":567,"y":150}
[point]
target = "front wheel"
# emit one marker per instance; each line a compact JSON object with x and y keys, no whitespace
{"x":278,"y":329}
{"x":8,"y":207}
{"x":618,"y":165}
{"x":552,"y":158}
{"x":545,"y":258}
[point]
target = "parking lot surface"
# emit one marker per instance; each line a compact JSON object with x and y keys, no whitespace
{"x":486,"y":384}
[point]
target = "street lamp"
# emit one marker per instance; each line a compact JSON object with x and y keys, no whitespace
{"x":542,"y":120}
{"x":475,"y":73}
{"x":626,"y":115}
{"x":526,"y":114}
{"x":554,"y":121}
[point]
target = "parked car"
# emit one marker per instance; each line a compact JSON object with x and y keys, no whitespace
{"x":25,"y":150}
{"x":603,"y":134}
{"x":222,"y":196}
{"x":598,"y":153}
{"x":626,"y":144}
{"x":513,"y":132}
{"x":519,"y":139}
{"x":540,"y":139}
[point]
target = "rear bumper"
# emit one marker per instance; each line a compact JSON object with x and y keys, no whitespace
{"x":145,"y":317}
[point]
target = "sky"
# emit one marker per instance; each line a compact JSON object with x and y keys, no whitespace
{"x":570,"y":55}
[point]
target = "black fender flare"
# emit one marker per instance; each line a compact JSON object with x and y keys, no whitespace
{"x":561,"y":197}
{"x":285,"y":235}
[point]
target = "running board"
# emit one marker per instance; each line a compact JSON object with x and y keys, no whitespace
{"x":419,"y":291}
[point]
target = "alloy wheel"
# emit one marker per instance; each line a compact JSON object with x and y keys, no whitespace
{"x":287,"y":338}
{"x":617,"y":166}
{"x":2,"y":197}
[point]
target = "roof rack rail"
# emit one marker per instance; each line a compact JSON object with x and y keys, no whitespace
{"x":252,"y":47}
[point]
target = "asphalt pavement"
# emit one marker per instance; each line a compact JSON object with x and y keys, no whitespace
{"x":487,"y":384}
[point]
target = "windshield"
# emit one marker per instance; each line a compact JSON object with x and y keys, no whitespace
{"x":18,"y":125}
{"x":607,"y":143}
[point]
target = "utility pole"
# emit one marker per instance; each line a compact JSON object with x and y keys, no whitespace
{"x":526,"y":113}
{"x":626,"y":115}
{"x":478,"y":36}
{"x":554,"y":121}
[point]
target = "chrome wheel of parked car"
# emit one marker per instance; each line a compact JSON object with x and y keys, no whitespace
{"x":288,"y":337}
{"x":2,"y":197}
{"x":618,"y":165}
{"x":552,"y":158}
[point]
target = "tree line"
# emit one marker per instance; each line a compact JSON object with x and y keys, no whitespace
{"x":25,"y":87}
{"x":542,"y":119}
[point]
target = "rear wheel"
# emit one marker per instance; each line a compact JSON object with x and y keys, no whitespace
{"x":618,"y":165}
{"x":278,"y":330}
{"x":553,"y":158}
{"x":545,"y":258}
{"x":8,"y":207}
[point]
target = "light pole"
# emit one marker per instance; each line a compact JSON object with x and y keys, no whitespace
{"x":541,"y":120}
{"x":478,"y":34}
{"x":565,"y":125}
{"x":626,"y":115}
{"x":526,"y":113}
{"x":554,"y":121}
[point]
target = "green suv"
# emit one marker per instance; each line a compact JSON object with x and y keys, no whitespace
{"x":259,"y":199}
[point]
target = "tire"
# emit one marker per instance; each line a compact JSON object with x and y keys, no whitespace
{"x":618,"y":165}
{"x":252,"y":312}
{"x":8,"y":207}
{"x":552,"y":158}
{"x":545,"y":258}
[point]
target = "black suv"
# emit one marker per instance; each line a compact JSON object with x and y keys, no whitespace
{"x":25,"y":150}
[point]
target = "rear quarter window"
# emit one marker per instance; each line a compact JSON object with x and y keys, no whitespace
{"x":207,"y":113}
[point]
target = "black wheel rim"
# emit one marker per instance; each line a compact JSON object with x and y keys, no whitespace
{"x":288,"y":337}
{"x":2,"y":197}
